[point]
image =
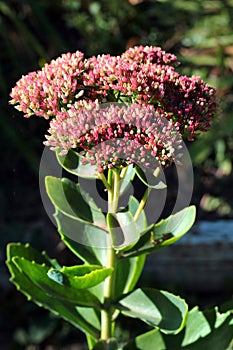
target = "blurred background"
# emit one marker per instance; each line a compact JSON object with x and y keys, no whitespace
{"x":32,"y":32}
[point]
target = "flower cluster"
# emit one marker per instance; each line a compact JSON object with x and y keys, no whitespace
{"x":114,"y":135}
{"x":44,"y":92}
{"x":149,"y":54}
{"x":65,"y":88}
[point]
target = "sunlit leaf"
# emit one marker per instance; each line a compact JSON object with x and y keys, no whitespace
{"x":157,"y":308}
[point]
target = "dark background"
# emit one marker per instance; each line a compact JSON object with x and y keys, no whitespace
{"x":33,"y":32}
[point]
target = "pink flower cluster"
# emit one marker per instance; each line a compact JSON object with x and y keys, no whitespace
{"x":146,"y":76}
{"x":46,"y":91}
{"x":114,"y":135}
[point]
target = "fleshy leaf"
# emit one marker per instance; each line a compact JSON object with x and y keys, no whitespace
{"x":38,"y":274}
{"x":207,"y":329}
{"x":157,"y":308}
{"x":176,"y":225}
{"x":85,"y":240}
{"x":29,"y":253}
{"x":85,"y":276}
{"x":70,"y":199}
{"x":62,"y":308}
{"x":129,"y":269}
{"x":158,"y":185}
{"x":141,"y":222}
{"x":127,"y":274}
{"x":81,"y":223}
{"x":204,"y":330}
{"x":149,"y":340}
{"x":129,"y":174}
{"x":123,"y":230}
{"x":72,"y":162}
{"x":164,"y":233}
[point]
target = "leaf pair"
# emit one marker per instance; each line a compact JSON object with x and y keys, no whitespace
{"x":80,"y":220}
{"x":208,"y":329}
{"x":60,"y":290}
{"x":72,"y":162}
{"x":163,"y":233}
{"x":159,"y":309}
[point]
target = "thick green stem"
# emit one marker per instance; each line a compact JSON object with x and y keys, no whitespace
{"x":109,"y":286}
{"x":107,"y":324}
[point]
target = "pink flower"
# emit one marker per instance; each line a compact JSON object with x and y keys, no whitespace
{"x":149,"y":54}
{"x":141,"y":75}
{"x":115,"y":135}
{"x":44,"y":92}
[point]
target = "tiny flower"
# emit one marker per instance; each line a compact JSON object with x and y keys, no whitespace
{"x":44,"y":92}
{"x":149,"y":54}
{"x":115,"y":135}
{"x":141,"y":75}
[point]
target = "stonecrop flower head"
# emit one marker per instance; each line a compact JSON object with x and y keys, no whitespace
{"x":45,"y":92}
{"x":115,"y":135}
{"x":70,"y":87}
{"x":149,"y":54}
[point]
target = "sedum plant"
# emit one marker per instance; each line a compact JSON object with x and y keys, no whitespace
{"x":114,"y":119}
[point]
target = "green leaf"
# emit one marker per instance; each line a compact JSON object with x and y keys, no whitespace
{"x":127,"y":274}
{"x":29,"y":253}
{"x":91,"y":341}
{"x":38,"y":274}
{"x":81,"y":223}
{"x":127,"y":175}
{"x":176,"y":225}
{"x":89,"y":243}
{"x":129,"y":269}
{"x":85,"y":276}
{"x":149,"y":340}
{"x":91,"y":315}
{"x":86,"y":241}
{"x":141,"y":222}
{"x":164,"y":233}
{"x":62,"y":308}
{"x":123,"y":230}
{"x":70,"y":199}
{"x":157,"y":308}
{"x":72,"y":162}
{"x":207,"y":329}
{"x":158,"y":185}
{"x":197,"y":327}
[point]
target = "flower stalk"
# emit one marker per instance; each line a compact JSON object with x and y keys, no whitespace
{"x":107,"y":324}
{"x":142,"y":204}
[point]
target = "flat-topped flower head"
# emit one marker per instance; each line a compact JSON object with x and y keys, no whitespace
{"x":141,"y":75}
{"x":115,"y":135}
